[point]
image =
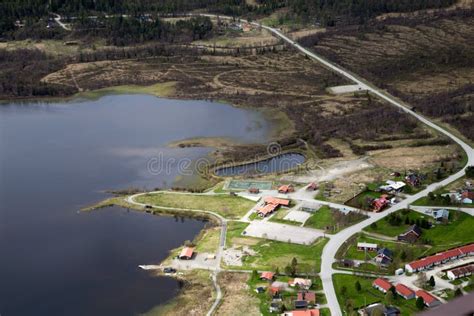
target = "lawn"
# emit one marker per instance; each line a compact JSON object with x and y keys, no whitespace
{"x":367,"y":294}
{"x":383,"y":227}
{"x":412,"y":251}
{"x":226,"y":205}
{"x":273,"y":254}
{"x":425,"y":201}
{"x":361,"y":200}
{"x":321,"y":219}
{"x":325,"y":219}
{"x":442,"y":236}
{"x":208,"y":240}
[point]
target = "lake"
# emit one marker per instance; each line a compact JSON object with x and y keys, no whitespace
{"x":58,"y":157}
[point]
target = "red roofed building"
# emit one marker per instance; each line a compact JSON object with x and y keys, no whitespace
{"x":380,"y":203}
{"x":428,"y":299}
{"x":404,"y":291}
{"x":267,"y":276}
{"x":267,"y":209}
{"x":286,"y":188}
{"x":460,"y":272}
{"x":443,"y":257}
{"x":276,"y":201}
{"x":313,"y":186}
{"x":309,"y":297}
{"x":186,"y":253}
{"x":382,"y":285}
{"x":308,"y":312}
{"x":467,"y":195}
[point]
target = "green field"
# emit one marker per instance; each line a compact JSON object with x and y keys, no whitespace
{"x":361,"y":200}
{"x":247,"y":184}
{"x":383,"y":227}
{"x":367,"y":294}
{"x":324,"y":219}
{"x":272,"y":254}
{"x":412,"y":251}
{"x":225,"y":205}
{"x":442,"y":236}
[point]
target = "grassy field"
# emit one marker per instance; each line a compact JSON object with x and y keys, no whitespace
{"x":320,"y":219}
{"x":442,"y":236}
{"x":412,"y":251}
{"x":425,"y":201}
{"x":225,"y":205}
{"x":197,"y":295}
{"x":366,"y":295}
{"x":383,"y":227}
{"x":208,"y":240}
{"x":272,"y":254}
{"x":360,"y":201}
{"x":327,"y":219}
{"x":159,"y":90}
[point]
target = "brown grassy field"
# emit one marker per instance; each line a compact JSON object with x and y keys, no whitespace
{"x":236,"y":298}
{"x":425,"y":58}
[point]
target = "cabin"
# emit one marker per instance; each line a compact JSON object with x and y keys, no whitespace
{"x":382,"y":285}
{"x":186,"y":254}
{"x":428,"y":299}
{"x":440,"y":215}
{"x":265,"y":210}
{"x":404,"y":291}
{"x":411,"y":235}
{"x":286,"y":189}
{"x":365,"y":246}
{"x":384,"y":256}
{"x":413,"y":179}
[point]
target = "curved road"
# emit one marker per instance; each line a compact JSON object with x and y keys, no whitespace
{"x":329,"y":251}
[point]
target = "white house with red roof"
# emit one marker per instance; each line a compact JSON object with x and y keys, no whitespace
{"x":404,"y":291}
{"x":428,"y":299}
{"x":382,"y":285}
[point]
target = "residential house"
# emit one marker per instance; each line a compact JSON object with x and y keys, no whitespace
{"x":384,"y":256}
{"x":392,"y":186}
{"x":413,"y":179}
{"x":382,"y":285}
{"x":308,"y":312}
{"x":404,"y":291}
{"x":300,"y":282}
{"x":186,"y":254}
{"x":440,"y":215}
{"x":411,"y":235}
{"x":260,"y":290}
{"x":275,"y":307}
{"x":308,"y":296}
{"x":277,"y":201}
{"x":367,"y":246}
{"x":267,"y":209}
{"x":300,"y":304}
{"x":268,"y":276}
{"x":379,"y":204}
{"x":428,"y":299}
{"x":286,"y":189}
{"x":372,"y":309}
{"x":313,"y":186}
{"x":460,"y":272}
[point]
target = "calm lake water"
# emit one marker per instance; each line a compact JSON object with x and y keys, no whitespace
{"x":58,"y":157}
{"x":275,"y":164}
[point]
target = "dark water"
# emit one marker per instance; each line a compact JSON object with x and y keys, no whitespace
{"x":55,"y":158}
{"x":275,"y":164}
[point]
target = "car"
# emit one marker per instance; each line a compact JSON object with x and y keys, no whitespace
{"x":148,"y":206}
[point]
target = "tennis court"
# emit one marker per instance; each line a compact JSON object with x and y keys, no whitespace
{"x":247,"y":184}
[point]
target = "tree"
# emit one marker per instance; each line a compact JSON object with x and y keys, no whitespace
{"x":389,"y":297}
{"x":458,"y":292}
{"x":431,"y":196}
{"x":421,"y":280}
{"x":432,"y":281}
{"x":343,"y":290}
{"x":403,"y":255}
{"x":255,"y":275}
{"x":470,"y":172}
{"x":294,"y":264}
{"x":420,"y":304}
{"x":358,"y":287}
{"x":288,"y":270}
{"x":277,"y":271}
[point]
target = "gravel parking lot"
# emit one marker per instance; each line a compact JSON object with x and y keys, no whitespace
{"x":283,"y":232}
